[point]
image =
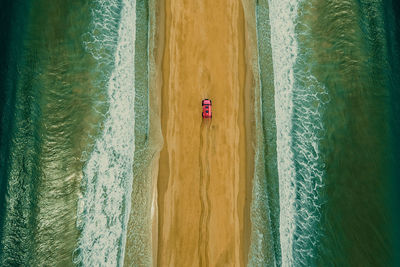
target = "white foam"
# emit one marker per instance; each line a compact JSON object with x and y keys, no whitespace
{"x":107,"y":176}
{"x":298,"y":133}
{"x":282,"y":15}
{"x":309,"y":98}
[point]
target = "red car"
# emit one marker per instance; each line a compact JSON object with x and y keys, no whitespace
{"x":206,"y":103}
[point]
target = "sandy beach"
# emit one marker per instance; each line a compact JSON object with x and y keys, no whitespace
{"x":204,"y":171}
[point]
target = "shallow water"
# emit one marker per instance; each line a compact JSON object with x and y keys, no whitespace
{"x":107,"y":175}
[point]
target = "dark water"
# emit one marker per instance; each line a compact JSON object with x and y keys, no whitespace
{"x":10,"y":51}
{"x":358,"y":148}
{"x":338,"y":150}
{"x":50,"y":111}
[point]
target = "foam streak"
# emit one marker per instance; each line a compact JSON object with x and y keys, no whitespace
{"x":282,"y":15}
{"x":108,"y":176}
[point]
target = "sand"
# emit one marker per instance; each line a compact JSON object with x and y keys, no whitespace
{"x":204,"y":174}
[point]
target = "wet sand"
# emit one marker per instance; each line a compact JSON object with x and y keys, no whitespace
{"x":204,"y":169}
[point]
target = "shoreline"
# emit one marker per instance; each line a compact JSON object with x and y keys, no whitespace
{"x":251,"y":81}
{"x":156,"y":49}
{"x":242,"y":142}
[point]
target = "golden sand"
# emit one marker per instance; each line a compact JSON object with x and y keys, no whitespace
{"x":204,"y":173}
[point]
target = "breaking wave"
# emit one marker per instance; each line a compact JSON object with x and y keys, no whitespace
{"x":108,"y":176}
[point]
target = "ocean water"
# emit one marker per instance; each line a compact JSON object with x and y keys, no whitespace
{"x":104,"y":206}
{"x":336,"y":87}
{"x":49,"y":114}
{"x":11,"y":53}
{"x":68,"y":111}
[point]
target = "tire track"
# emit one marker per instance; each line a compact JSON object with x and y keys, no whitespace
{"x":205,"y":144}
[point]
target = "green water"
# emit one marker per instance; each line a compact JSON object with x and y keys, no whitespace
{"x":54,"y":104}
{"x":265,"y":207}
{"x":55,"y":112}
{"x":357,"y":219}
{"x":343,"y":137}
{"x":139,"y":238}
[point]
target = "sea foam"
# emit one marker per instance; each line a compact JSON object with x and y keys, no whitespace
{"x":284,"y":53}
{"x":107,"y":176}
{"x":299,"y":104}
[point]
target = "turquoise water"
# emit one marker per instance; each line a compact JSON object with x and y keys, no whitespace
{"x":336,"y":87}
{"x":265,"y":246}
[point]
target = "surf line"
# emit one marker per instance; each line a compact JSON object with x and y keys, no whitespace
{"x":103,"y":208}
{"x":282,"y":16}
